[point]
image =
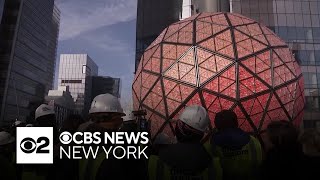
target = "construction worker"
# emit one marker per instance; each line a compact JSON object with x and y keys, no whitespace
{"x":240,"y":154}
{"x":44,"y":117}
{"x":18,"y":123}
{"x":187,"y":159}
{"x":14,"y":126}
{"x":310,"y":141}
{"x":284,"y":160}
{"x":106,"y":114}
{"x":162,"y":140}
{"x":8,"y":170}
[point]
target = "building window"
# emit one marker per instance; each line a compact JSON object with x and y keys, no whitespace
{"x":71,"y":81}
{"x":84,"y":67}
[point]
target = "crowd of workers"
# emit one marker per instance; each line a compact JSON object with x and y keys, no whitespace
{"x":227,"y":152}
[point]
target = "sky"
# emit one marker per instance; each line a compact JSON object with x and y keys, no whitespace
{"x":105,"y":30}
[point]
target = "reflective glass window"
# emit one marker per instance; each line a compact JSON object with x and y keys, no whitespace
{"x":312,"y":103}
{"x":316,"y":33}
{"x":298,"y":20}
{"x":314,"y":8}
{"x":297,"y":7}
{"x":306,"y":20}
{"x":317,"y":59}
{"x":282,"y":32}
{"x":300,"y":33}
{"x":315,"y":20}
{"x":292,"y":33}
{"x":289,"y":7}
{"x":305,"y":7}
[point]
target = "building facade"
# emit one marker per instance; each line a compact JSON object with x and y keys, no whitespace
{"x":28,"y":44}
{"x":298,"y":23}
{"x":76,"y":71}
{"x":62,"y":102}
{"x":295,"y":21}
{"x":102,"y":85}
{"x":152,"y":17}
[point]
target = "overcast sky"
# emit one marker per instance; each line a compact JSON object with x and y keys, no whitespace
{"x":104,"y":29}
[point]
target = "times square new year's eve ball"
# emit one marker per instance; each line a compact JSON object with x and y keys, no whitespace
{"x":220,"y":61}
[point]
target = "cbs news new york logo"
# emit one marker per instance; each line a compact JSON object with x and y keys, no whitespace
{"x":34,"y":145}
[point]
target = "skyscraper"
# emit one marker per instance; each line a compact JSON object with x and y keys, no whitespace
{"x":295,"y":21}
{"x":28,"y":42}
{"x":298,"y":23}
{"x":76,"y":71}
{"x":152,"y":17}
{"x":102,"y":85}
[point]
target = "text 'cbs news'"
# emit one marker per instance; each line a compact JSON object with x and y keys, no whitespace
{"x":35,"y":145}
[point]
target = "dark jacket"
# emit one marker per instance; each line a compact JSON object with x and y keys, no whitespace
{"x":192,"y":158}
{"x":283,"y":163}
{"x":311,"y":167}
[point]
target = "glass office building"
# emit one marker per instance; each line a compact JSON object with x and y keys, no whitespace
{"x":298,"y":23}
{"x":102,"y":85}
{"x":152,"y":17}
{"x":76,"y":71}
{"x":28,"y":43}
{"x":295,"y":21}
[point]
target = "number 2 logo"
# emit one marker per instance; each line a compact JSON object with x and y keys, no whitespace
{"x":29,"y":145}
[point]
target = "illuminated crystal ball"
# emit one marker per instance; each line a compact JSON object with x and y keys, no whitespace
{"x":219,"y":61}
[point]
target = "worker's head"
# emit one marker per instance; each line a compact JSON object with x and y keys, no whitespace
{"x":226,"y":119}
{"x":45,"y":116}
{"x":282,"y":134}
{"x":192,"y":124}
{"x":310,"y":140}
{"x":106,"y":111}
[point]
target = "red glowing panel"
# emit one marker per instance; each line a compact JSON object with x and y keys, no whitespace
{"x":220,"y":61}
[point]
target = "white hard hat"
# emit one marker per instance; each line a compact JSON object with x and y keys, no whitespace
{"x":129,"y":116}
{"x":162,"y":138}
{"x":43,"y":110}
{"x":196,"y":117}
{"x":29,"y":125}
{"x":106,"y":103}
{"x":17,"y":123}
{"x":6,"y":138}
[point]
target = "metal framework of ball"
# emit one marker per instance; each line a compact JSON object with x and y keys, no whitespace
{"x":219,"y":61}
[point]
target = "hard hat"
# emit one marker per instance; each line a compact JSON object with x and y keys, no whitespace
{"x":43,"y":110}
{"x":6,"y":138}
{"x":129,"y":116}
{"x":17,"y":123}
{"x":106,"y":103}
{"x":162,"y":138}
{"x":196,"y":117}
{"x":29,"y":125}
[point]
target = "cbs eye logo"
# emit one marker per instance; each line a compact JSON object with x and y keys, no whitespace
{"x":65,"y":137}
{"x":29,"y":145}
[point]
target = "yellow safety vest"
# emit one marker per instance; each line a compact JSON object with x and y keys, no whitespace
{"x":238,"y":162}
{"x":88,"y":168}
{"x":158,"y":170}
